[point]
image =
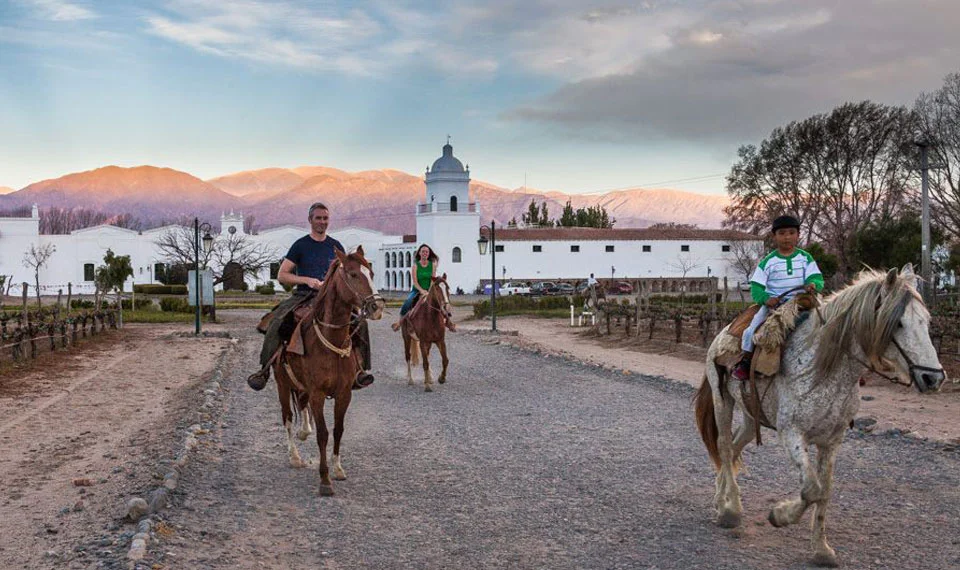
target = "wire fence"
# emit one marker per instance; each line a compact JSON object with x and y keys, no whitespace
{"x":26,"y":334}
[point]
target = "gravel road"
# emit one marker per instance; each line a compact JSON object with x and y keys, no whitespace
{"x":527,"y":461}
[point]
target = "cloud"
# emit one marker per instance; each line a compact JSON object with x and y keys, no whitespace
{"x":60,"y":11}
{"x":728,"y":70}
{"x":275,"y":33}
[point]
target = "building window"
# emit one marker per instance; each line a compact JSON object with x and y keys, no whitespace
{"x":574,"y":249}
{"x":498,"y":248}
{"x":725,"y":248}
{"x":409,"y":259}
{"x":609,"y":249}
{"x":274,"y":270}
{"x":646,"y":249}
{"x":537,"y":248}
{"x":684,"y":248}
{"x":393,"y":258}
{"x":88,"y":272}
{"x":456,"y":255}
{"x":453,"y":203}
{"x":386,"y":260}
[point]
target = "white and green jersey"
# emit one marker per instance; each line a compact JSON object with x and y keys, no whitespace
{"x":777,"y":274}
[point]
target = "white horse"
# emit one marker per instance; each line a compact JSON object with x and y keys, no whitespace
{"x":878,"y":323}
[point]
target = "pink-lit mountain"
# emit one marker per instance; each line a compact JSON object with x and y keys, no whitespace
{"x":384,"y":200}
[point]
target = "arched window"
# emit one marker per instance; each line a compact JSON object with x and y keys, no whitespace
{"x":386,"y":261}
{"x":409,"y":260}
{"x":393,"y":280}
{"x":456,"y":255}
{"x":409,"y":281}
{"x":393,"y":258}
{"x":453,"y":203}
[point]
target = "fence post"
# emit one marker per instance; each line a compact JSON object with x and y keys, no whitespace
{"x":26,"y":316}
{"x":69,"y":295}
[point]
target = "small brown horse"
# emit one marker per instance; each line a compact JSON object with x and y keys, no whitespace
{"x":426,"y":325}
{"x":327,"y":368}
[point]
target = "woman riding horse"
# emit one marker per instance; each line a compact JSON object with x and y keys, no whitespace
{"x":421,"y":275}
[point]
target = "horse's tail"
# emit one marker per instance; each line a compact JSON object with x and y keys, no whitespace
{"x":415,"y":352}
{"x":707,"y":420}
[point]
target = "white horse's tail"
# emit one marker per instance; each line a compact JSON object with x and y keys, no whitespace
{"x":414,"y":352}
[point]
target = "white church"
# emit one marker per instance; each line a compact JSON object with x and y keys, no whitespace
{"x":446,"y":219}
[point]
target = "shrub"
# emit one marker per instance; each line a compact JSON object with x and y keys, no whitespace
{"x":154,"y":289}
{"x":266,"y":288}
{"x":520,"y":303}
{"x":81,"y":304}
{"x":142,"y":304}
{"x":175,"y":305}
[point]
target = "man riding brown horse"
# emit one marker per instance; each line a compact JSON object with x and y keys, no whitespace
{"x":305,"y":266}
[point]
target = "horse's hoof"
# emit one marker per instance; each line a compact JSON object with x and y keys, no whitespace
{"x":326,"y":490}
{"x":340,"y":477}
{"x":772,"y":518}
{"x":728,"y":519}
{"x":410,"y":382}
{"x":825,"y":560}
{"x":441,"y":379}
{"x":427,"y":388}
{"x":297,"y":463}
{"x":303,"y":435}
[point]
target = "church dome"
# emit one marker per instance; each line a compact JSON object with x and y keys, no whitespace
{"x":447,"y":162}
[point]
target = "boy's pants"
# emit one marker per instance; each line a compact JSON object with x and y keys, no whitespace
{"x":746,"y":340}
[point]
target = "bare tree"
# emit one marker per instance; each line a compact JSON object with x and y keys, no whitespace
{"x":838,"y":172}
{"x":744,"y":257}
{"x":684,"y":264}
{"x":938,"y":116}
{"x":177,"y":247}
{"x":35,"y":258}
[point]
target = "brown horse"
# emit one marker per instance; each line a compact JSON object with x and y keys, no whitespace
{"x":426,"y":325}
{"x":328,"y":366}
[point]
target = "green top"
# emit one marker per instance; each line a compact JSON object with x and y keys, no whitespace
{"x":425,"y":275}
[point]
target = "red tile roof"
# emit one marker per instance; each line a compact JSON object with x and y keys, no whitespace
{"x":628,"y":234}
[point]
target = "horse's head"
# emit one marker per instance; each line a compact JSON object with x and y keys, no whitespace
{"x":903,"y":332}
{"x":356,"y":284}
{"x":439,"y":295}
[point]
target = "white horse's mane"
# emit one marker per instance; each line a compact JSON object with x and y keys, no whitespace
{"x":866,"y":313}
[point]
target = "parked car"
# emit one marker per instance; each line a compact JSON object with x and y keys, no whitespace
{"x":486,"y":288}
{"x":514,"y":288}
{"x":565,"y":289}
{"x":543,"y":288}
{"x":621,"y":288}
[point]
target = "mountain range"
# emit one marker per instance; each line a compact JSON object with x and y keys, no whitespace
{"x":383,"y":200}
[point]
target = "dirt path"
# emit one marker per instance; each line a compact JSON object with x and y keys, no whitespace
{"x":893,"y":407}
{"x":101,"y":415}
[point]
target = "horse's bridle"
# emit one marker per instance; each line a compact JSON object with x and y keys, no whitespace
{"x":358,"y":317}
{"x":431,"y":306}
{"x":911,"y":365}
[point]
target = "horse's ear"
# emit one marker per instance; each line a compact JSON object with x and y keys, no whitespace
{"x":444,"y":276}
{"x":340,"y":255}
{"x":360,"y":250}
{"x":907,"y":270}
{"x":891,"y":279}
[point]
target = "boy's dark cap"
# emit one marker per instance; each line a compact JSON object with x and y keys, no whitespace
{"x":786,"y":222}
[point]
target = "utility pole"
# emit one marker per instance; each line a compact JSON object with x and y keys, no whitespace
{"x":925,"y":219}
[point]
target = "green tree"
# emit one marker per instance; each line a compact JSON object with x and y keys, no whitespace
{"x":827,"y":262}
{"x":568,"y":218}
{"x":893,"y":242}
{"x":544,"y":220}
{"x":532,"y":215}
{"x":112,"y":274}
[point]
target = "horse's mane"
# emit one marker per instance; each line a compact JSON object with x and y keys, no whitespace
{"x":867,"y":313}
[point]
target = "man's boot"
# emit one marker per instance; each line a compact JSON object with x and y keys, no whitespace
{"x":259,"y":379}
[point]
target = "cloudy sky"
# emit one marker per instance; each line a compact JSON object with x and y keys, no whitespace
{"x":568,"y":94}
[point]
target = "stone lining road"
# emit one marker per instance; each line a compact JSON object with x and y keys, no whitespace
{"x":525,"y":461}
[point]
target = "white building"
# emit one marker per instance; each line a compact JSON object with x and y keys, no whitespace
{"x":446,"y":219}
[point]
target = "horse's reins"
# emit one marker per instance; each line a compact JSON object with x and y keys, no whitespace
{"x":359,"y":318}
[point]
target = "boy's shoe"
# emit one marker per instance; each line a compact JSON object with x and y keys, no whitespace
{"x":741,"y":371}
{"x":259,"y":379}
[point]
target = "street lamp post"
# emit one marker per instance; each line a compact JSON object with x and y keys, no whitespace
{"x":207,"y":245}
{"x":482,"y":243}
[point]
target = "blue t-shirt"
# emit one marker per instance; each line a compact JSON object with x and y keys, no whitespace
{"x":313,"y":258}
